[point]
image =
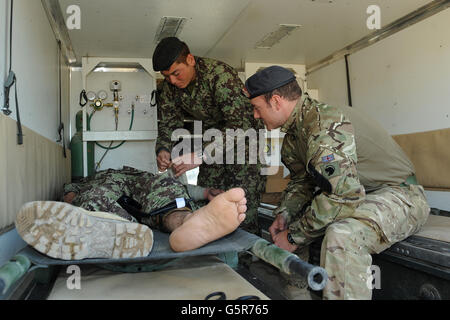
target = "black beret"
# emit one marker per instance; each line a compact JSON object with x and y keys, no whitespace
{"x":166,"y":53}
{"x":267,"y":80}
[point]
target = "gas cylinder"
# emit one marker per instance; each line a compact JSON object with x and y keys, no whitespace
{"x":76,"y":147}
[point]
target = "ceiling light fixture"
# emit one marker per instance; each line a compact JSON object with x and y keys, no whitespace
{"x":118,"y":67}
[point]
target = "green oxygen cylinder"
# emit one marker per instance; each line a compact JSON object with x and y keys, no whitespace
{"x":76,"y":147}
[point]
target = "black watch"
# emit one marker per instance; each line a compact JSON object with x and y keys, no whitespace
{"x":290,"y":239}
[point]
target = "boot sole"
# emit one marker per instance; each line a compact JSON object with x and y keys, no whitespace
{"x":66,"y":232}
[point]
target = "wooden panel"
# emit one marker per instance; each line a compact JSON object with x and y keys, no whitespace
{"x":430,"y":154}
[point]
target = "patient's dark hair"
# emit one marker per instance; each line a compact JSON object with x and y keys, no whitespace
{"x":290,"y":92}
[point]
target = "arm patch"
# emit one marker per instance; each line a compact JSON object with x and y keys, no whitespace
{"x":331,"y":170}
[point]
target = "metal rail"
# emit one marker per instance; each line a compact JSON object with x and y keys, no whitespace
{"x":410,"y":19}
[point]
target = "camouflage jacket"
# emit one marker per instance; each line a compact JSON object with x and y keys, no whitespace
{"x":132,"y":181}
{"x":214,"y":98}
{"x":320,"y":152}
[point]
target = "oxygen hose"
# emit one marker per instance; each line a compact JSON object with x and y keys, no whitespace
{"x":110,"y":145}
{"x":116,"y":147}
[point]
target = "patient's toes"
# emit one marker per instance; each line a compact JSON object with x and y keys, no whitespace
{"x":242,"y":208}
{"x":234,"y":195}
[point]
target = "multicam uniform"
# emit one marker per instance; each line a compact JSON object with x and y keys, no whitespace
{"x":352,"y":183}
{"x":214,"y":98}
{"x":101,"y":192}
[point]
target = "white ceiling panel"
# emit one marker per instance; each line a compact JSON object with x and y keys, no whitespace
{"x":327,"y":26}
{"x":127,"y":28}
{"x":229,"y":29}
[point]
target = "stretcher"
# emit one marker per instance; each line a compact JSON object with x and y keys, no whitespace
{"x":28,"y":259}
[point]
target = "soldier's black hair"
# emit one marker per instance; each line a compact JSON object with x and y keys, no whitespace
{"x":290,"y":91}
{"x":183,"y":54}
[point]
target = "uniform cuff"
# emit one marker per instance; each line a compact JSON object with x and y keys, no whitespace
{"x":197,"y":193}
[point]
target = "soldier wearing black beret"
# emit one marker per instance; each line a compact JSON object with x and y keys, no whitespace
{"x":350,"y":182}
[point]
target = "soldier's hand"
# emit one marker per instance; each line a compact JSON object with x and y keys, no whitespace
{"x":278,"y":225}
{"x":282,"y":242}
{"x":185,"y":163}
{"x":69,"y":197}
{"x":163,"y":160}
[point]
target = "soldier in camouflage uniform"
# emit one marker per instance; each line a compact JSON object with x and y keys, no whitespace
{"x":350,"y":182}
{"x":209,"y":91}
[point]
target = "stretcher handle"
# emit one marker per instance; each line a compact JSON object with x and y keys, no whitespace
{"x":290,"y":263}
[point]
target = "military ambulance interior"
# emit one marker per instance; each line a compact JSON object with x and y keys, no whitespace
{"x":85,"y":100}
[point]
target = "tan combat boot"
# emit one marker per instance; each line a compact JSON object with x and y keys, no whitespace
{"x":63,"y":231}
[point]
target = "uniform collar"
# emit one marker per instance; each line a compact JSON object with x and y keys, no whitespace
{"x":294,"y":115}
{"x":198,"y":69}
{"x":198,"y":75}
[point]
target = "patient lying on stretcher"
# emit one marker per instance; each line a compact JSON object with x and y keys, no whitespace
{"x":91,"y":223}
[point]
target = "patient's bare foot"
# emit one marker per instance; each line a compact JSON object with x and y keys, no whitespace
{"x":220,"y":217}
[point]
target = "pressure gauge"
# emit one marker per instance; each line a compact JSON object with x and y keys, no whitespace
{"x":102,"y":95}
{"x":98,"y":104}
{"x":91,"y":96}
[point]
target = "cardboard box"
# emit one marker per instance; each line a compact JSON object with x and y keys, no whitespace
{"x":276,"y":182}
{"x":276,"y":185}
{"x":271,"y":198}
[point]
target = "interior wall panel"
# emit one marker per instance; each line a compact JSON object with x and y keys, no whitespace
{"x":36,"y":170}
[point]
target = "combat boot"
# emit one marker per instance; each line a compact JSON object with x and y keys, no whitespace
{"x":63,"y":231}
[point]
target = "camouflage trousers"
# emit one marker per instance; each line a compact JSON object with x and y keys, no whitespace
{"x":101,"y":192}
{"x":348,"y":243}
{"x":247,"y":177}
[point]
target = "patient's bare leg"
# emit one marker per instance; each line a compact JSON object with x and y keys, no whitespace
{"x":220,"y":217}
{"x":175,"y":219}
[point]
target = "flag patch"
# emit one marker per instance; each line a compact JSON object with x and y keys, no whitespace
{"x":328,"y":158}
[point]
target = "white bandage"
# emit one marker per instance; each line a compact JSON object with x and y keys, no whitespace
{"x":181,"y":203}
